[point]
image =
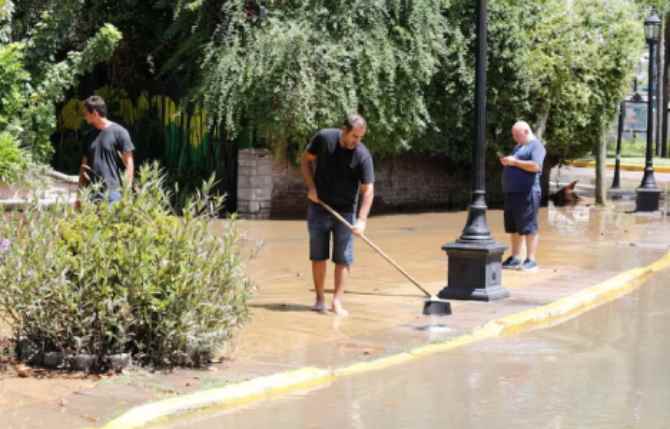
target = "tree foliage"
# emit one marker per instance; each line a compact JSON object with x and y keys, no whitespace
{"x":583,"y":59}
{"x":36,"y":72}
{"x":310,"y":62}
{"x":562,"y":66}
{"x":407,"y":65}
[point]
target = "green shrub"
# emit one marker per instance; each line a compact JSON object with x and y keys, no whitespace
{"x":127,"y":278}
{"x":13,"y":161}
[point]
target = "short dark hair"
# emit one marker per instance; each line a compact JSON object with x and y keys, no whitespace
{"x":95,"y":103}
{"x":354,"y":120}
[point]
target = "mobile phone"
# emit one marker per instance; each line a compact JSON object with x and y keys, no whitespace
{"x":500,"y":154}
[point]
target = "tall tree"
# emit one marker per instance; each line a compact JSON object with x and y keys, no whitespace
{"x":562,"y":66}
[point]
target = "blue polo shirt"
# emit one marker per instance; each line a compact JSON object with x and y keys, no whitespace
{"x":517,"y":180}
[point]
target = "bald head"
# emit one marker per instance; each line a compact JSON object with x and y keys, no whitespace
{"x":521,"y":132}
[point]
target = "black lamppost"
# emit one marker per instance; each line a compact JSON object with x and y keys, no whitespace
{"x":616,"y":183}
{"x":475,"y":258}
{"x":615,"y":192}
{"x":648,"y":194}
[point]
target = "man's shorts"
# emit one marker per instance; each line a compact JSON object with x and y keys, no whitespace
{"x":110,"y":197}
{"x":521,"y":212}
{"x":321,"y":224}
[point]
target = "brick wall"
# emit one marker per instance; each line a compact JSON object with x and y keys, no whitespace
{"x":254,"y":183}
{"x":416,"y":183}
{"x":289,"y":194}
{"x":402,"y":184}
{"x":274,"y":188}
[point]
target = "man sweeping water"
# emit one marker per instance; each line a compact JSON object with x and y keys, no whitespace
{"x":337,"y":168}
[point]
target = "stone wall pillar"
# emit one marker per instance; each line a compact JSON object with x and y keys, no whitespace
{"x":254,"y":184}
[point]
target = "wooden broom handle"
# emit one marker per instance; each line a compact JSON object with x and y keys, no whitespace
{"x":376,"y":248}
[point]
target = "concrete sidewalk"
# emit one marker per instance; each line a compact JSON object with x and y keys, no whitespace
{"x":581,"y":247}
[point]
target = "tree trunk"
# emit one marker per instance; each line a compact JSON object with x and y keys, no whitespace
{"x":601,"y":168}
{"x":545,"y":179}
{"x":666,"y":88}
{"x":541,"y":125}
{"x":660,"y":99}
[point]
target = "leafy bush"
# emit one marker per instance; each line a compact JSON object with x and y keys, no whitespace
{"x":13,"y":161}
{"x":127,"y":278}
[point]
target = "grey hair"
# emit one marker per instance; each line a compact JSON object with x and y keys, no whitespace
{"x":354,"y":120}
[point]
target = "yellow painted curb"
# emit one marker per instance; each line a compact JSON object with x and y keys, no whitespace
{"x":374,"y":365}
{"x":572,"y":305}
{"x":248,"y":391}
{"x":625,"y":167}
{"x":580,"y":302}
{"x":265,"y":387}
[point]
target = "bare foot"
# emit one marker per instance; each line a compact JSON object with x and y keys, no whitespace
{"x":338,"y":309}
{"x":319,"y":307}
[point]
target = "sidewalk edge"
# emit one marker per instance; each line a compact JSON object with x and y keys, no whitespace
{"x":625,"y":167}
{"x":265,"y":387}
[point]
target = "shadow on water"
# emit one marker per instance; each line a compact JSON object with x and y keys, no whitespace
{"x":299,"y":308}
{"x":375,"y":293}
{"x":283,"y":307}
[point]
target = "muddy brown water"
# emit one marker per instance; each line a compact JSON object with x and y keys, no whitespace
{"x":605,"y":369}
{"x":415,"y":242}
{"x":575,"y":242}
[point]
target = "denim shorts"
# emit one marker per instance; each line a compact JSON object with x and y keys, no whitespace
{"x":110,"y":197}
{"x":321,"y":226}
{"x":521,"y":212}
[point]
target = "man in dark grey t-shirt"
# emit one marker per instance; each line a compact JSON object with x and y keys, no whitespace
{"x":107,"y":152}
{"x":337,"y":168}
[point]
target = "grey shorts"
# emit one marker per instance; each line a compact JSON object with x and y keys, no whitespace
{"x":322,"y":225}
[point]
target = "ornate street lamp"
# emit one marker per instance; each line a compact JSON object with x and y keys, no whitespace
{"x":648,"y":194}
{"x":475,"y":258}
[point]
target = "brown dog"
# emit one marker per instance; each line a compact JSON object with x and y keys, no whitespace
{"x":566,"y":196}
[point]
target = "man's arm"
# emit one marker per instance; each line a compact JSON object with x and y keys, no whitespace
{"x":367,"y":193}
{"x":529,"y":166}
{"x":129,"y":163}
{"x":308,"y":175}
{"x":83,"y":176}
{"x":533,"y":165}
{"x":83,"y":180}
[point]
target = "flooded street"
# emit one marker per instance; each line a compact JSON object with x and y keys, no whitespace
{"x":553,"y":379}
{"x":605,"y":369}
{"x":579,"y":246}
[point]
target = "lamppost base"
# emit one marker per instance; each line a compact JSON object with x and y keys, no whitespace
{"x":475,"y":271}
{"x":647,"y":199}
{"x":618,"y":194}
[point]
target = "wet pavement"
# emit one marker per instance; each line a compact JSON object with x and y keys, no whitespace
{"x":602,"y":370}
{"x":580,"y":247}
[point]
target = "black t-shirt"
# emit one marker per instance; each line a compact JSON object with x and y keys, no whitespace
{"x":103,"y":149}
{"x":339,"y":171}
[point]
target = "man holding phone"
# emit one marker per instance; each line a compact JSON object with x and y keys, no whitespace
{"x":521,"y":186}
